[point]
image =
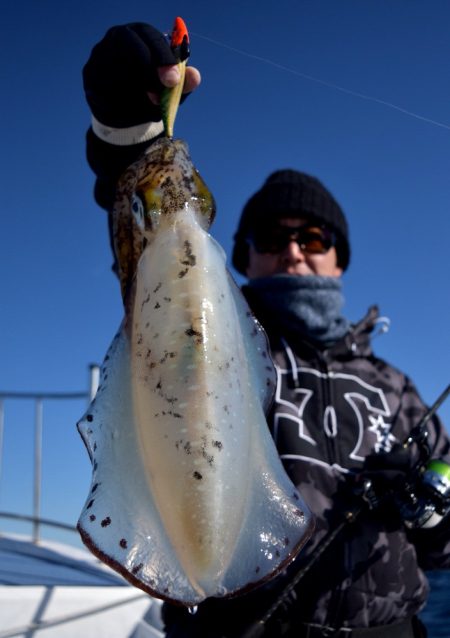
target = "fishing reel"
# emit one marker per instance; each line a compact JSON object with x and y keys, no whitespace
{"x":421,"y":497}
{"x":425,"y":501}
{"x":419,"y":493}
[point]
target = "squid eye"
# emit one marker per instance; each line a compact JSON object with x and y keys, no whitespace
{"x":137,"y":206}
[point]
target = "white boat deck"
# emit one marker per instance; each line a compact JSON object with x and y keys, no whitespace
{"x":50,"y":590}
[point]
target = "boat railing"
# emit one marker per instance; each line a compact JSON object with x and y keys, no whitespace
{"x":39,"y":398}
{"x":37,"y":522}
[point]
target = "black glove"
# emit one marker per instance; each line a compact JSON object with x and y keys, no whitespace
{"x":387,"y":473}
{"x":121,"y":69}
{"x":389,"y":466}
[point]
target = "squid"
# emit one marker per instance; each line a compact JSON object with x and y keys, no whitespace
{"x":188,"y":498}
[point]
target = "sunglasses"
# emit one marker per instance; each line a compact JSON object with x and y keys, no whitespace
{"x":312,"y":239}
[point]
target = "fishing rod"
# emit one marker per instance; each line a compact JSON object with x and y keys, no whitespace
{"x":419,"y":430}
{"x":424,"y":507}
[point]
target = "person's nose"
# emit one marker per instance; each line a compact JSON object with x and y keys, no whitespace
{"x":292,"y":253}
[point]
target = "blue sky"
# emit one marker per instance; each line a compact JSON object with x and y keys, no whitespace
{"x":303,"y":84}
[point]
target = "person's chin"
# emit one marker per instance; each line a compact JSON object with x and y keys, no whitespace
{"x":296,"y":271}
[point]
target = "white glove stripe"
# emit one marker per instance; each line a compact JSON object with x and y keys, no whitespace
{"x":127,"y":136}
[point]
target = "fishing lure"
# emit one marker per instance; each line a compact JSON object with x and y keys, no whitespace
{"x":170,"y":98}
{"x":189,"y":498}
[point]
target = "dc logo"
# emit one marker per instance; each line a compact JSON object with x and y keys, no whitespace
{"x":361,"y":422}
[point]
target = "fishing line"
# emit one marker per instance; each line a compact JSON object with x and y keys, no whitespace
{"x":330,"y":85}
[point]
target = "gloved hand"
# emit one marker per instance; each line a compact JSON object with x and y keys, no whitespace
{"x":389,"y":465}
{"x":384,"y":473}
{"x":125,"y":73}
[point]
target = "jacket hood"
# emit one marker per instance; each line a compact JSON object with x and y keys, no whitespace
{"x":358,"y":341}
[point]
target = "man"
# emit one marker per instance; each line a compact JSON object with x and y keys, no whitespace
{"x":339,"y":412}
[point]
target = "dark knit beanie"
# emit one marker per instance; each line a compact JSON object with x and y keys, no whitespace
{"x":289,"y":193}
